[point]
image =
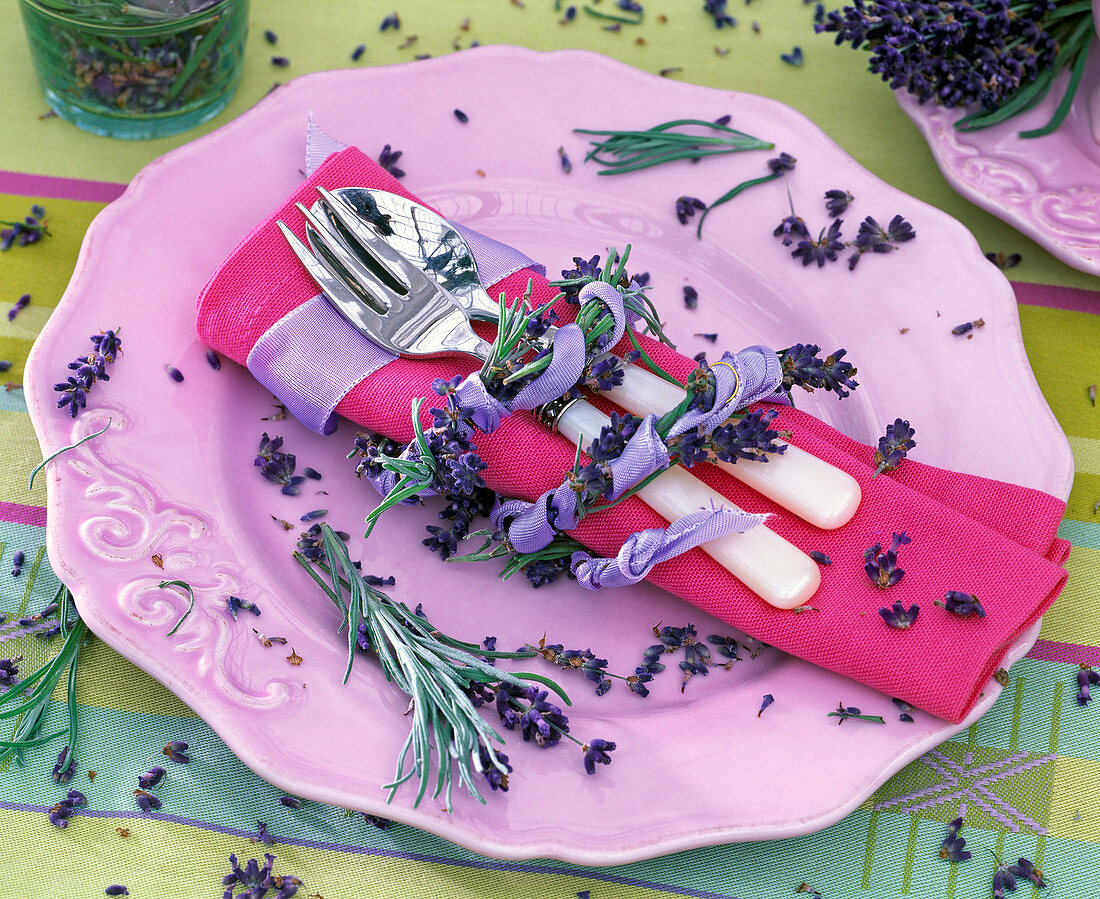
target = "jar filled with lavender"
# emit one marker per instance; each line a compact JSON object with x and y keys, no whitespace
{"x":137,"y":68}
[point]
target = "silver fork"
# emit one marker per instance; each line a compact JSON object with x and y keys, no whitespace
{"x":413,"y":318}
{"x":401,"y":229}
{"x":770,"y":566}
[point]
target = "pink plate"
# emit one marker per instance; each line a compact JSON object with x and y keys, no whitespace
{"x":1046,"y":187}
{"x":174,"y":475}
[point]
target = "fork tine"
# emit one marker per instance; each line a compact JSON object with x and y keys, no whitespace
{"x":342,"y":261}
{"x":391,"y":260}
{"x":317,"y":270}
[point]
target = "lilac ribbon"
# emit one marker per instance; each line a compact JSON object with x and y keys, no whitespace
{"x":319,"y":146}
{"x":643,"y":550}
{"x":645,"y":452}
{"x":495,"y":260}
{"x":534,"y":524}
{"x":753,"y":374}
{"x":284,"y":360}
{"x":564,"y":370}
{"x":740,"y":379}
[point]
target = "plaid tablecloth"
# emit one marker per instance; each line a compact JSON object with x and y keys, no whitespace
{"x":1028,"y":772}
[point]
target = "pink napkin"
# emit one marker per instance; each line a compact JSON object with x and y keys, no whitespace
{"x":984,"y":537}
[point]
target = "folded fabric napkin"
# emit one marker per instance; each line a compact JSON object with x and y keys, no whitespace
{"x":971,"y":534}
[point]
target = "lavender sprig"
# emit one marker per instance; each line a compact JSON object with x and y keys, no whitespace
{"x":31,"y":230}
{"x":446,"y":679}
{"x":628,"y":151}
{"x":65,"y":449}
{"x":749,"y":437}
{"x":595,"y":322}
{"x":777,"y":167}
{"x":88,"y":370}
{"x":802,"y":367}
{"x":827,"y":247}
{"x":183,"y":585}
{"x":845,"y":713}
{"x":542,"y":567}
{"x":874,"y":238}
{"x":999,"y":56}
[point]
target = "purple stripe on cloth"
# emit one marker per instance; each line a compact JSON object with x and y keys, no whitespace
{"x":1072,"y":299}
{"x":1069,"y":653}
{"x":18,"y":514}
{"x":285,"y":358}
{"x":48,"y":187}
{"x":478,"y":863}
{"x":495,"y":260}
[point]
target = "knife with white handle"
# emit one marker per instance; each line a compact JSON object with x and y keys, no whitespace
{"x":773,"y":568}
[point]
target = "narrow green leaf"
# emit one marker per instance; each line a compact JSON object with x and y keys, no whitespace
{"x":1067,"y":98}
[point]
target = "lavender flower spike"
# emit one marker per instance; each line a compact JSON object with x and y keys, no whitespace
{"x":961,"y":604}
{"x":1086,"y":677}
{"x":881,"y":566}
{"x":900,"y":617}
{"x":893,"y":446}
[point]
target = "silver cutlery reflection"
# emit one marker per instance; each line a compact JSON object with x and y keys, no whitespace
{"x":816,"y":491}
{"x":366,"y":282}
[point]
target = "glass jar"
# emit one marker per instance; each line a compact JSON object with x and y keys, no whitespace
{"x":137,"y":70}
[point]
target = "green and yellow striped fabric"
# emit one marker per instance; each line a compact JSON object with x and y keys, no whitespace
{"x":1026,"y":776}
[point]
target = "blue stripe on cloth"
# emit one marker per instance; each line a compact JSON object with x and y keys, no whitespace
{"x":1080,"y":533}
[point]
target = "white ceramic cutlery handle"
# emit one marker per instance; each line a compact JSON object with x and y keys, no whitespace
{"x":775,"y":570}
{"x":813,"y":490}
